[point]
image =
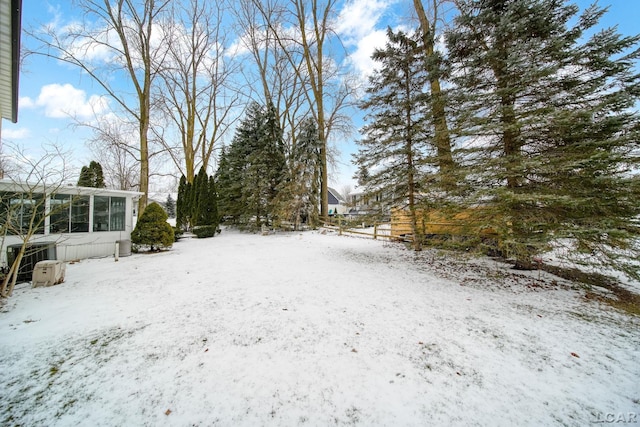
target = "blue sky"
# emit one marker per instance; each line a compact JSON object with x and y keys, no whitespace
{"x":49,"y":89}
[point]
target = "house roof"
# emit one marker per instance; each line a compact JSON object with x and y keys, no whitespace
{"x":13,"y":186}
{"x":334,"y":197}
{"x":10,"y":27}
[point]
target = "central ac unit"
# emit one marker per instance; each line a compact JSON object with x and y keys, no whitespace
{"x":48,"y":273}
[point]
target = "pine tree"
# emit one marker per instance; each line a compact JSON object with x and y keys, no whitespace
{"x":170,"y":206}
{"x":253,"y":169}
{"x":152,"y":229}
{"x":547,"y":118}
{"x":299,"y":193}
{"x":397,"y":134}
{"x":91,"y":176}
{"x":223,"y":184}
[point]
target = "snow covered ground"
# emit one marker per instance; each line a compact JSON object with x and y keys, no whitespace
{"x":312,"y":329}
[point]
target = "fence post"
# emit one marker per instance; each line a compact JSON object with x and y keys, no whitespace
{"x":375,"y":230}
{"x":339,"y":226}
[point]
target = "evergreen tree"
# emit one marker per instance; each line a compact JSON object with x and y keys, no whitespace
{"x":299,"y":193}
{"x":197,"y":198}
{"x":197,"y":202}
{"x":204,"y":200}
{"x":212,"y":217}
{"x":182,"y":206}
{"x":253,"y":168}
{"x":152,"y":229}
{"x":170,"y":206}
{"x":362,"y":174}
{"x":549,"y":124}
{"x":223,"y":183}
{"x":91,"y":176}
{"x":397,"y":134}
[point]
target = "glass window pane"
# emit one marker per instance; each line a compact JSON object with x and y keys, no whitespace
{"x":60,"y":208}
{"x":20,"y":212}
{"x":117,"y":213}
{"x":100,"y":213}
{"x":80,"y":214}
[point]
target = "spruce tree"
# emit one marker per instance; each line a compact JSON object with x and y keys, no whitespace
{"x":397,"y":134}
{"x":547,"y":117}
{"x":253,"y":169}
{"x":223,"y":184}
{"x":299,"y":193}
{"x":170,"y":206}
{"x":308,"y":155}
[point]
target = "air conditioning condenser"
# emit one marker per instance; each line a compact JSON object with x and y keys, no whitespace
{"x":48,"y":273}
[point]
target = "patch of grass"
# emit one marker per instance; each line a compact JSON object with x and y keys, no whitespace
{"x":623,"y":299}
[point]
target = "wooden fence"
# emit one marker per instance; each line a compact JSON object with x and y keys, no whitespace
{"x":376,"y":231}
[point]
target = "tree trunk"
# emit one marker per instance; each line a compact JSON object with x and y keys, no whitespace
{"x":442,"y":139}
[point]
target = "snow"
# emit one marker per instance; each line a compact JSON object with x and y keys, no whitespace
{"x":312,"y":329}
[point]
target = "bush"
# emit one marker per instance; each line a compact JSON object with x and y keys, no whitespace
{"x":205,"y":231}
{"x":152,"y":229}
{"x":177,"y":233}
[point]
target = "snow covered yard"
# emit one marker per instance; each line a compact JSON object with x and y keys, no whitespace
{"x":312,"y":329}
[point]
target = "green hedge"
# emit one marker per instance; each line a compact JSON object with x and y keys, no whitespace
{"x":205,"y":231}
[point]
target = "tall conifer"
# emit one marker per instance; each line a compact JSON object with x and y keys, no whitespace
{"x":546,"y":114}
{"x":397,"y":134}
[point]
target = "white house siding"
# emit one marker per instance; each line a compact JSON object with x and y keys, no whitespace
{"x":71,"y":247}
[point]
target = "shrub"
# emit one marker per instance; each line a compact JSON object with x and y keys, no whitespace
{"x":177,"y":233}
{"x":152,"y":229}
{"x":205,"y":231}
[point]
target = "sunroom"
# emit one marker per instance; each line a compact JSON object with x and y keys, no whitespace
{"x":66,"y":222}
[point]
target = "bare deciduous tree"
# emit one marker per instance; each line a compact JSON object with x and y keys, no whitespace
{"x":281,"y":82}
{"x":23,"y":210}
{"x":119,"y":159}
{"x":326,"y":90}
{"x":197,"y":92}
{"x":116,"y":38}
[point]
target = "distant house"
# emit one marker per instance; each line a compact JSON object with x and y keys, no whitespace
{"x":337,"y":205}
{"x":369,"y":203}
{"x":79,"y":222}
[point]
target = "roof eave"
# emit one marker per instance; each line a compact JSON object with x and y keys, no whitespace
{"x":16,"y":29}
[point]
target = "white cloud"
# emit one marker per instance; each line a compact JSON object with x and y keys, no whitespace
{"x":19,"y":133}
{"x":64,"y":101}
{"x":25,"y":102}
{"x":361,"y":56}
{"x":360,"y":17}
{"x":360,"y":26}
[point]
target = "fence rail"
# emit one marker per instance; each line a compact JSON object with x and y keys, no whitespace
{"x":376,"y":231}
